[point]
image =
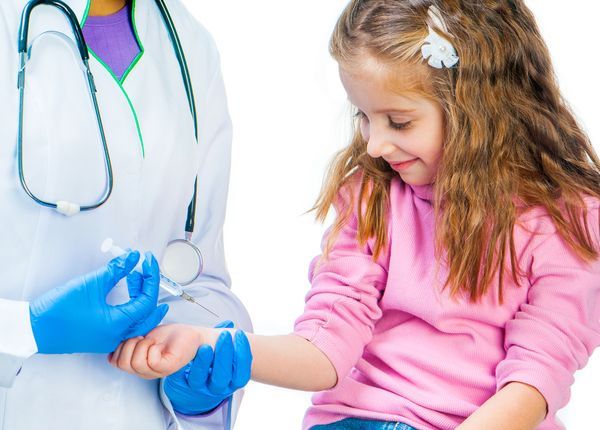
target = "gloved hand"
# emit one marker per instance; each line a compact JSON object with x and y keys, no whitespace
{"x":75,"y":317}
{"x":210,"y":378}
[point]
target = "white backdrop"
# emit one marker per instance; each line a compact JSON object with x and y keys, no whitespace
{"x":290,"y":115}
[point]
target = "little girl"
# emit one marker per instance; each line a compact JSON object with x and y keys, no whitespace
{"x":460,"y":283}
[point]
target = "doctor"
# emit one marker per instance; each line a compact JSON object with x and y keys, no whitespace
{"x":155,"y":160}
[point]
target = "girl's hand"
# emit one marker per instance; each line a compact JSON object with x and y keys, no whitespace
{"x":197,"y":379}
{"x":163,"y":351}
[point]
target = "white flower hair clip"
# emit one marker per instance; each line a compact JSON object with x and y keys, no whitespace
{"x":436,"y":49}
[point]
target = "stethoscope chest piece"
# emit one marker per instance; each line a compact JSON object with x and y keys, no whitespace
{"x":182,"y":261}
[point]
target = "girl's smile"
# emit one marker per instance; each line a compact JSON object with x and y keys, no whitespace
{"x":404,"y":128}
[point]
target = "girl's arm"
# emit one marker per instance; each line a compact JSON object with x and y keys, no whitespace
{"x":288,"y":361}
{"x":517,"y":406}
{"x":556,"y":330}
{"x":342,"y":308}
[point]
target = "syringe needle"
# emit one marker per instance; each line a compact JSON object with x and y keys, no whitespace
{"x":174,"y":289}
{"x":190,"y":299}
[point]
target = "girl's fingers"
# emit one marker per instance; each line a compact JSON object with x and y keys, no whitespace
{"x":139,"y":360}
{"x":126,"y":353}
{"x":158,"y":360}
{"x":114,"y":356}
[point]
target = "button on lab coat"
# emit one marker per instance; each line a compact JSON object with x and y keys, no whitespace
{"x":155,"y":158}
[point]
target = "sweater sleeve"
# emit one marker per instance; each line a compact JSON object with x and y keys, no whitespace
{"x":342,"y":305}
{"x":556,"y":330}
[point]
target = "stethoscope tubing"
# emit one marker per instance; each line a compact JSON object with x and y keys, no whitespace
{"x":69,"y":14}
{"x":189,"y":90}
{"x":84,"y":54}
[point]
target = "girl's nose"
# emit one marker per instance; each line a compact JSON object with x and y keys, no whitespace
{"x":379,"y":146}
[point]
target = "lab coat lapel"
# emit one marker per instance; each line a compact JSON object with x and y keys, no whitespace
{"x":141,"y":14}
{"x":158,"y":95}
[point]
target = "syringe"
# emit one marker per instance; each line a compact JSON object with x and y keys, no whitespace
{"x":167,"y":284}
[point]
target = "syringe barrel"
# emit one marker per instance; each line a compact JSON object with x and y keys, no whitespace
{"x":170,"y":286}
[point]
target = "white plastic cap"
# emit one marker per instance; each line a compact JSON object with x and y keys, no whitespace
{"x":67,"y":208}
{"x":108,"y":245}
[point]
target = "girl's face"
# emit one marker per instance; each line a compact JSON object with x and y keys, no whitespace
{"x":405,"y":129}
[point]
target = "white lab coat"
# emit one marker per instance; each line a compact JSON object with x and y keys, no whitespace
{"x":155,"y":158}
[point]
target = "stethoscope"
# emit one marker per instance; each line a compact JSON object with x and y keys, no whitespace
{"x":182,"y":260}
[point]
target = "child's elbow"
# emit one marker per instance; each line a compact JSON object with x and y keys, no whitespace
{"x":329,"y":377}
{"x":327,"y":383}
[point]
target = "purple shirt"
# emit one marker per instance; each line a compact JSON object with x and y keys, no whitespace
{"x":112,"y":39}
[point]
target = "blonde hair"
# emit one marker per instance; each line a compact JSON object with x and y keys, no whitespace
{"x":509,"y":135}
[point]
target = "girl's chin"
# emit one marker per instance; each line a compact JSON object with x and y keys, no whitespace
{"x":416,"y":180}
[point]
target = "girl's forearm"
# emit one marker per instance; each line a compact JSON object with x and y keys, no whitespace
{"x":288,"y":361}
{"x":517,"y":406}
{"x":291,"y":361}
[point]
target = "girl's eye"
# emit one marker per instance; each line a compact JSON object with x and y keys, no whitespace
{"x":398,"y":125}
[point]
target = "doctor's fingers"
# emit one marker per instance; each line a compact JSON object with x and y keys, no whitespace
{"x":142,"y":328}
{"x":135,"y":281}
{"x":117,"y":269}
{"x":141,"y":306}
{"x":151,"y":278}
{"x":242,"y":361}
{"x":200,"y":368}
{"x":222,"y":371}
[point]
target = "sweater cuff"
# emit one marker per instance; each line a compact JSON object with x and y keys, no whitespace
{"x":555,"y":388}
{"x":329,"y":344}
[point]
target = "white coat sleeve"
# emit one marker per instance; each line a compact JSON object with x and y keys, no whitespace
{"x":212,"y":287}
{"x":16,"y":339}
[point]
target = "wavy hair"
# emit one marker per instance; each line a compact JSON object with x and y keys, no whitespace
{"x":511,"y":141}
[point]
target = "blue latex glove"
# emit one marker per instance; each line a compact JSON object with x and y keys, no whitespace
{"x":210,"y":378}
{"x":75,"y":317}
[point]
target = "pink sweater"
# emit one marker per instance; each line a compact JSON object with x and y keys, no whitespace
{"x":404,"y":351}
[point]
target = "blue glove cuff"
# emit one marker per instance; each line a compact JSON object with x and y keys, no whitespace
{"x":205,"y":412}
